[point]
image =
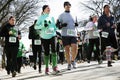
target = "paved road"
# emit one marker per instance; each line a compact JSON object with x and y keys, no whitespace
{"x":85,"y":71}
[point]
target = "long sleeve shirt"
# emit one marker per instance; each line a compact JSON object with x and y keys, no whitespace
{"x":10,"y":39}
{"x":34,"y":35}
{"x":70,"y":29}
{"x":49,"y":31}
{"x":91,"y":27}
{"x":102,"y":24}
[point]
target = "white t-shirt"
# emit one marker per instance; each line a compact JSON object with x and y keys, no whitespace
{"x":91,"y":27}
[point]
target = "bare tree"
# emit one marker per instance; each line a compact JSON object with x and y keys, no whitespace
{"x":4,"y":3}
{"x":4,"y":9}
{"x":116,"y":9}
{"x":24,"y":11}
{"x":96,"y":6}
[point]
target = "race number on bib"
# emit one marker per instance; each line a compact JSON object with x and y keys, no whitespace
{"x":80,"y":43}
{"x":49,"y":31}
{"x":105,"y":34}
{"x":96,"y":33}
{"x":70,"y":32}
{"x":12,"y":39}
{"x":37,"y":42}
{"x":61,"y":50}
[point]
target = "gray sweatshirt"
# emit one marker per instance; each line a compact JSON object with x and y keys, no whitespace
{"x":70,"y":29}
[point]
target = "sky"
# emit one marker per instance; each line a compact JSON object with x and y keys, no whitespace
{"x":57,"y":8}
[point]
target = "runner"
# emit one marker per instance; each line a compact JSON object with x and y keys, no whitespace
{"x":47,"y":27}
{"x":66,"y":23}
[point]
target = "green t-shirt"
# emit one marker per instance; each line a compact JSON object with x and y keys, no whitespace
{"x":21,"y":49}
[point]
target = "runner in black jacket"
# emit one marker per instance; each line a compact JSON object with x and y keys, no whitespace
{"x":106,"y":24}
{"x":36,"y":45}
{"x":11,"y":35}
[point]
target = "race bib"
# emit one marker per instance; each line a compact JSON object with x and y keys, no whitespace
{"x":80,"y":43}
{"x":61,"y":50}
{"x":37,"y":42}
{"x":105,"y":34}
{"x":12,"y":39}
{"x":31,"y":53}
{"x":70,"y":32}
{"x":96,"y":33}
{"x":49,"y":31}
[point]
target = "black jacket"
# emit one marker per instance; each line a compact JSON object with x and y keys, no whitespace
{"x":33,"y":34}
{"x":102,"y":24}
{"x":4,"y":32}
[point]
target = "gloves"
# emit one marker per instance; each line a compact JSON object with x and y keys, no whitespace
{"x":58,"y":24}
{"x":64,"y":25}
{"x":76,"y":24}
